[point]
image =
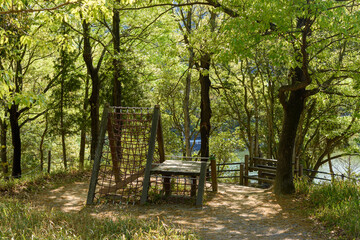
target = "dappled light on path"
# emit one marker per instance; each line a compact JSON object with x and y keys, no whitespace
{"x":69,"y":198}
{"x":235,"y":212}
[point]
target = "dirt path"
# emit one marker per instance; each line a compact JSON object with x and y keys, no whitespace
{"x":235,"y":212}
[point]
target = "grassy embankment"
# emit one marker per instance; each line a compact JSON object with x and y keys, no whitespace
{"x":20,"y":220}
{"x":337,"y":205}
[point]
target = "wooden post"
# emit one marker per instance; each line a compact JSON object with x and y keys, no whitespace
{"x":167,"y":184}
{"x":260,"y":175}
{"x":201,"y":187}
{"x":213,"y":174}
{"x":150,"y":154}
{"x":258,"y":162}
{"x":241,"y":174}
{"x":246,"y":182}
{"x":160,"y":140}
{"x":49,"y":161}
{"x":193,"y":186}
{"x":97,"y":158}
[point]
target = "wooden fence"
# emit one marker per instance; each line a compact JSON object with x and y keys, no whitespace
{"x":332,"y":176}
{"x":263,"y":170}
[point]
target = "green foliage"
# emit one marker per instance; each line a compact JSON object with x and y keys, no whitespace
{"x":225,"y":145}
{"x":336,"y":204}
{"x":251,"y":55}
{"x":302,"y":185}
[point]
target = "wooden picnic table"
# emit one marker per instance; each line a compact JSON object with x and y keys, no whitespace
{"x":179,"y":167}
{"x":170,"y":168}
{"x":192,"y":169}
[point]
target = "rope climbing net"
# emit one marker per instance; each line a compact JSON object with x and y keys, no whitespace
{"x":125,"y":153}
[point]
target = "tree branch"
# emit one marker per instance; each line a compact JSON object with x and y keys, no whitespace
{"x":38,"y":10}
{"x":226,"y":10}
{"x":208,"y":3}
{"x":33,"y":118}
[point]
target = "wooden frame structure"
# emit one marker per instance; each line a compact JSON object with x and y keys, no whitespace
{"x":167,"y":168}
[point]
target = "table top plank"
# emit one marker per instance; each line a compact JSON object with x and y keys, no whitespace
{"x":178,"y":167}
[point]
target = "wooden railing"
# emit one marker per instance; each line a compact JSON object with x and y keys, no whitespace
{"x":232,"y":172}
{"x":332,"y":175}
{"x":264,"y":171}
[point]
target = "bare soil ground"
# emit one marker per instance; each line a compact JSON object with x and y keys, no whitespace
{"x":235,"y":212}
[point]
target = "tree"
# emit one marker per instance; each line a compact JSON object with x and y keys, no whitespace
{"x":307,"y":32}
{"x":3,"y":144}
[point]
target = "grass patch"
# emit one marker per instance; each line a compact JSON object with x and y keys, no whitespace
{"x":39,"y":182}
{"x":21,"y":221}
{"x":337,"y":205}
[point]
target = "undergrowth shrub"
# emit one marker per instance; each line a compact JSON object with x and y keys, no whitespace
{"x":336,"y":204}
{"x":302,"y":185}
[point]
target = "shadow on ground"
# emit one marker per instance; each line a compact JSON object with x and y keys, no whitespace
{"x":235,"y":212}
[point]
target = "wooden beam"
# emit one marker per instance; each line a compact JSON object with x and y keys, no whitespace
{"x":122,"y":183}
{"x":160,"y":140}
{"x":246,"y":181}
{"x":150,"y":155}
{"x":213,"y":174}
{"x":258,"y":178}
{"x":241,"y":174}
{"x":97,"y":158}
{"x":201,"y":187}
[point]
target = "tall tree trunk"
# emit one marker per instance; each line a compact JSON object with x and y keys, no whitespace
{"x":94,"y":97}
{"x":293,"y":109}
{"x":116,"y":61}
{"x":41,"y":148}
{"x":94,"y":114}
{"x":62,"y":125}
{"x":82,"y":149}
{"x":14,"y":122}
{"x":270,"y":122}
{"x":16,"y":140}
{"x":292,"y":98}
{"x":255,"y":140}
{"x":205,"y":114}
{"x":83,"y":127}
{"x":3,"y":145}
{"x":268,"y":94}
{"x":186,"y":102}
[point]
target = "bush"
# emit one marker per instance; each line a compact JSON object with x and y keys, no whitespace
{"x":336,"y":204}
{"x":302,"y":185}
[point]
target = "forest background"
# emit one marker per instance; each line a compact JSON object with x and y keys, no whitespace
{"x":277,"y":78}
